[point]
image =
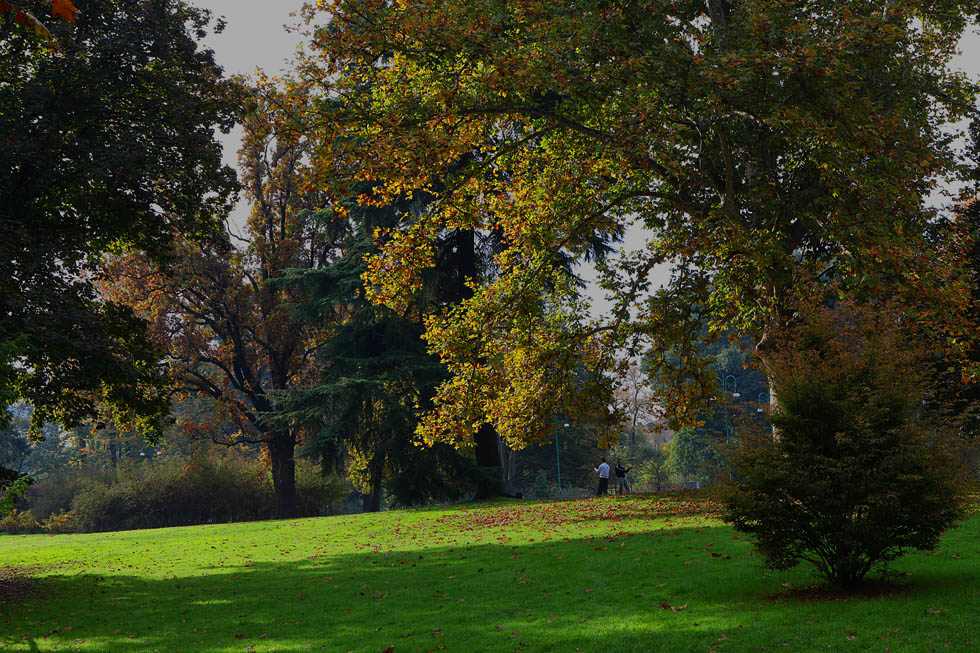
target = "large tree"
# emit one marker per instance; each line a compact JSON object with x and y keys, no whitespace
{"x":108,"y":145}
{"x":374,"y":376}
{"x":757,"y":144}
{"x":226,"y":328}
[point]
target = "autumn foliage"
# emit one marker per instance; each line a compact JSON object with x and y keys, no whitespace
{"x":22,"y":15}
{"x":753,"y":145}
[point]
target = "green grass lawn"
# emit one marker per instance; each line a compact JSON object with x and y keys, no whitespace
{"x":641,"y":573}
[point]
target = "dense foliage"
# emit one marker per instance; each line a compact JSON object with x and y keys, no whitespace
{"x":108,"y":144}
{"x":227,"y":330}
{"x":856,"y":473}
{"x":203,"y":489}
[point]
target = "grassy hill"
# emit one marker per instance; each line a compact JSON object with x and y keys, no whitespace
{"x":641,"y":573}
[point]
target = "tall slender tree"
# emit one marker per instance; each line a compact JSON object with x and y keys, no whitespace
{"x":374,"y":374}
{"x":227,"y":328}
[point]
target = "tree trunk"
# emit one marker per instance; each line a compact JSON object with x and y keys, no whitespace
{"x":281,"y":455}
{"x":487,"y":452}
{"x":375,"y":498}
{"x":762,"y":349}
{"x":372,"y":500}
{"x":466,"y":258}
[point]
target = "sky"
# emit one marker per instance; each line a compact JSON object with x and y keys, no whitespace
{"x":256,"y":37}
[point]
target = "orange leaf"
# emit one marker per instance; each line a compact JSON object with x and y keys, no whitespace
{"x":65,"y":9}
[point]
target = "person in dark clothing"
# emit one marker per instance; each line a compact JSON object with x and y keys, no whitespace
{"x":621,"y":473}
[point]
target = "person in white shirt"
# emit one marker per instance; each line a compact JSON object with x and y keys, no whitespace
{"x":603,"y":470}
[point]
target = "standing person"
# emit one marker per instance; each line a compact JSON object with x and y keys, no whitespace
{"x":603,"y":470}
{"x":621,"y":473}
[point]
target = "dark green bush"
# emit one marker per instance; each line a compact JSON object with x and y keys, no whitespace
{"x":205,"y":489}
{"x":318,"y":494}
{"x":855,"y":474}
{"x":439,"y":474}
{"x":54,"y":494}
{"x":152,"y":494}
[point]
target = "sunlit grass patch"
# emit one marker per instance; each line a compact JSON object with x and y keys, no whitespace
{"x":640,"y":573}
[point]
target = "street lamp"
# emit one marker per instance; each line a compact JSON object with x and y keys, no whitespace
{"x":558,"y":457}
{"x":735,"y":395}
{"x":760,"y":400}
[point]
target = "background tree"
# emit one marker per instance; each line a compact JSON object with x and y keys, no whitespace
{"x":637,"y":403}
{"x":747,"y":139}
{"x":693,"y":455}
{"x":652,"y":470}
{"x":15,"y":448}
{"x":375,"y":373}
{"x":228,"y":331}
{"x":960,"y":396}
{"x":860,"y":474}
{"x":108,"y":145}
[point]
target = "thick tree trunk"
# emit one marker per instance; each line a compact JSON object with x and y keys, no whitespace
{"x":487,"y":453}
{"x":466,"y":258}
{"x":372,"y":500}
{"x":281,"y":456}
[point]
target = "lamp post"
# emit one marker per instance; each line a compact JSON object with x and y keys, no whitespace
{"x":760,"y":400}
{"x":735,"y":395}
{"x":558,"y":457}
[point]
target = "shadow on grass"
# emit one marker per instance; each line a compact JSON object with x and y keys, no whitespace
{"x":677,"y":590}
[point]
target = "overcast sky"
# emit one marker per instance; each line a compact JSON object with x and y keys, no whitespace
{"x":256,"y":37}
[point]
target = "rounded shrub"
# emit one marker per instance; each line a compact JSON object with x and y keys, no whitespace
{"x":854,"y":473}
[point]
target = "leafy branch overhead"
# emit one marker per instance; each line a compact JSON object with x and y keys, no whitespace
{"x":22,"y":15}
{"x":755,"y":147}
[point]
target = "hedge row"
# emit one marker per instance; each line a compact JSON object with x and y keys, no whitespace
{"x":202,"y":490}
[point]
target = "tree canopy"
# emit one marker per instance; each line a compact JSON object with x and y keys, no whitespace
{"x":757,"y":144}
{"x":21,"y":12}
{"x":108,"y":145}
